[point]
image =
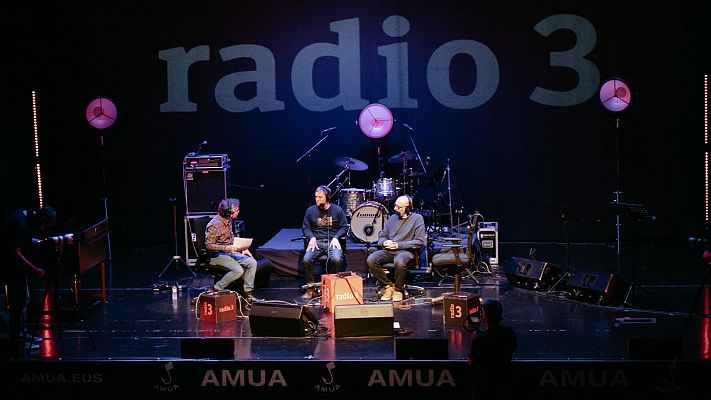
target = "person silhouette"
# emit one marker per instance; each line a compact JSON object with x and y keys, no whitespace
{"x":490,"y":355}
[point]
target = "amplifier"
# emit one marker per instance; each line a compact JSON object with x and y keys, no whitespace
{"x":206,"y":161}
{"x":489,"y":239}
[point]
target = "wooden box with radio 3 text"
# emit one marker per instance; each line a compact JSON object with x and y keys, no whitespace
{"x":217,"y":307}
{"x":459,"y":306}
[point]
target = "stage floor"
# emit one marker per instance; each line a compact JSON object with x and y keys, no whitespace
{"x":666,"y":316}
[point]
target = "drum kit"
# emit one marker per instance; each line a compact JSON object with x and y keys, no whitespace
{"x":367,"y":208}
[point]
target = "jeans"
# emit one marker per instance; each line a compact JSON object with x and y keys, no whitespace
{"x":335,"y":260}
{"x":237,"y":265}
{"x":401,"y":259}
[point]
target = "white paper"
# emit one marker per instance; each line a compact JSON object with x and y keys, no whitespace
{"x":242,"y":243}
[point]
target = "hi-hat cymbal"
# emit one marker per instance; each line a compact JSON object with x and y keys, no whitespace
{"x":402,"y":156}
{"x":350,"y":163}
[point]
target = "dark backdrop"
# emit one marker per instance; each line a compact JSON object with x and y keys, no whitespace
{"x":512,"y":157}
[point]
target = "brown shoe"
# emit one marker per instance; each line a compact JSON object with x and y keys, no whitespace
{"x":388,"y":293}
{"x":310,"y":293}
{"x":248,"y":297}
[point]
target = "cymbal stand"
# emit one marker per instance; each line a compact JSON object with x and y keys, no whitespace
{"x":448,"y":171}
{"x":405,"y":177}
{"x":338,"y":179}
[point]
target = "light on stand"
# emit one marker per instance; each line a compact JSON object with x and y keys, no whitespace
{"x":101,"y":113}
{"x":615,"y":97}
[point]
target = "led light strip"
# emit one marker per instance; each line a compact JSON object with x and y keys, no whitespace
{"x":38,"y":169}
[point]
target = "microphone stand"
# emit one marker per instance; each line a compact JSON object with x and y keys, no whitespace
{"x":414,"y":146}
{"x":308,"y":153}
{"x":313,"y":147}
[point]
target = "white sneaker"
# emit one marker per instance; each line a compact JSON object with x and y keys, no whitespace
{"x":397,"y":296}
{"x":388,"y":293}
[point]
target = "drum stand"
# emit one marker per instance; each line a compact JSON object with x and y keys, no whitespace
{"x":338,"y":179}
{"x":448,"y":173}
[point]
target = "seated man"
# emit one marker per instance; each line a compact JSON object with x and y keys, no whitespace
{"x":219,"y":239}
{"x":323,"y":224}
{"x":402,"y":236}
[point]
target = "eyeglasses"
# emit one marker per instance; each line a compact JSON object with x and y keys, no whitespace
{"x":399,"y":206}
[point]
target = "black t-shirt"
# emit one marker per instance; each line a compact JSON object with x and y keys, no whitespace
{"x":491,"y":354}
{"x":16,"y":233}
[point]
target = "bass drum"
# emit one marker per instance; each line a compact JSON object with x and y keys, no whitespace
{"x":368,"y":221}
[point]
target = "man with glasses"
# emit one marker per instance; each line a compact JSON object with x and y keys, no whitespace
{"x":403,"y":235}
{"x":237,"y":261}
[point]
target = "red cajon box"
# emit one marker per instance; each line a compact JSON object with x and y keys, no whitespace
{"x":339,"y":289}
{"x":217,"y":307}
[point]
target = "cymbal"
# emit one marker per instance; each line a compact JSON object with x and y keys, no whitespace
{"x":350,"y":163}
{"x":402,"y":156}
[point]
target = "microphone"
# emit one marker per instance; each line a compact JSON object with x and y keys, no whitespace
{"x":333,"y":128}
{"x":408,"y":127}
{"x":204,"y":142}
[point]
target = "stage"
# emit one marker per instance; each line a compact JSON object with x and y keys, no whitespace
{"x":151,"y":342}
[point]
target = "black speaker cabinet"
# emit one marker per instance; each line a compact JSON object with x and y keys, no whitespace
{"x":218,"y":348}
{"x":421,"y":349}
{"x":597,"y":287}
{"x":281,"y":320}
{"x":363,"y":320}
{"x":204,"y":188}
{"x":532,"y":274}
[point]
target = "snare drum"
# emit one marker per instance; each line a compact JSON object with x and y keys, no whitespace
{"x":349,"y":199}
{"x":384,"y":189}
{"x":367,"y":221}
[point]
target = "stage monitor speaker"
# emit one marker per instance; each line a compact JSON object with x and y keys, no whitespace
{"x":597,"y":287}
{"x":204,"y":189}
{"x":218,"y":348}
{"x":363,"y":320}
{"x":421,"y":349}
{"x":532,"y":274}
{"x":281,"y":320}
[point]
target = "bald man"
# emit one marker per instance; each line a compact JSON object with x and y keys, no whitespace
{"x":403,"y":235}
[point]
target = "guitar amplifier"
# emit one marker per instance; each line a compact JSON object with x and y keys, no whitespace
{"x":489,"y":239}
{"x":206,"y":161}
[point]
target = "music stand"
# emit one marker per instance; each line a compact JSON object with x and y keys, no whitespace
{"x":176,"y":260}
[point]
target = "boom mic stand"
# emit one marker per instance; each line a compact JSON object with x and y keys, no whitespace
{"x":176,"y":260}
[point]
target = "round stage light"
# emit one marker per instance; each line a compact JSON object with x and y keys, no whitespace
{"x":375,"y":120}
{"x":101,"y":113}
{"x":615,"y":95}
